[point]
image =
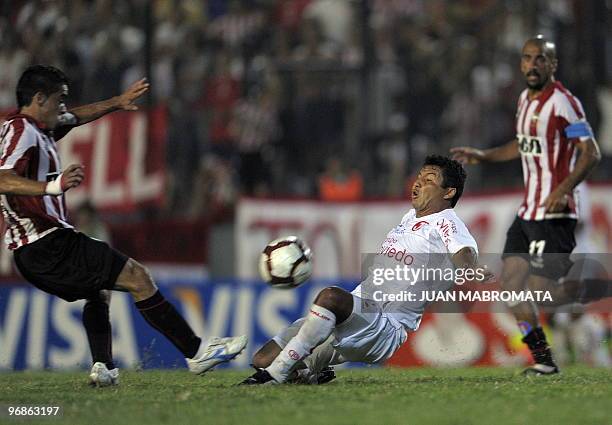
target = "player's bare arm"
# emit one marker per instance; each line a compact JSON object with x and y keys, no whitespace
{"x":12,"y":184}
{"x":589,"y":157}
{"x":467,"y":258}
{"x":471,"y":156}
{"x":123,"y":102}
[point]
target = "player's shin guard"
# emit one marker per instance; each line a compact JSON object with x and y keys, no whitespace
{"x":162,"y":315}
{"x":319,"y":324}
{"x":536,"y":341}
{"x":98,"y":328}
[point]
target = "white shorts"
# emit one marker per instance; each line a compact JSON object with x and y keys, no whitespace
{"x":369,"y":335}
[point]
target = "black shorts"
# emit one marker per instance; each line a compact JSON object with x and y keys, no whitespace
{"x":70,"y":264}
{"x":546,"y":244}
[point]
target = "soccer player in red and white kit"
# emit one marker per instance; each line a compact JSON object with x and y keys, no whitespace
{"x":51,"y":254}
{"x":558,"y":151}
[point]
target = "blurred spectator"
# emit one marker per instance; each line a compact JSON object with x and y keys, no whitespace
{"x":254,"y":127}
{"x":215,"y":189}
{"x":88,"y":221}
{"x":312,"y":44}
{"x":338,"y":183}
{"x":392,"y":154}
{"x":288,"y":14}
{"x":221,"y":93}
{"x":237,"y":25}
{"x":605,"y":103}
{"x":13,"y":60}
{"x":335,"y":17}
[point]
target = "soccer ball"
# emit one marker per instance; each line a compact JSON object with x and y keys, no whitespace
{"x":286,"y":262}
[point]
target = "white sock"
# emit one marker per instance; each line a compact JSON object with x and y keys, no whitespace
{"x":319,"y":324}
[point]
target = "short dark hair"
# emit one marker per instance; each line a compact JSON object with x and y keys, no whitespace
{"x":452,"y":172}
{"x":39,"y":78}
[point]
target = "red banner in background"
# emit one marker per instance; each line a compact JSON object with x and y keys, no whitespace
{"x":124,"y":158}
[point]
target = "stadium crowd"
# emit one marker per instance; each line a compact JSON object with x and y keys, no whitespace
{"x":335,"y":98}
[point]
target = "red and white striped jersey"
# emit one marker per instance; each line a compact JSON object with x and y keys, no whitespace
{"x":547,"y":155}
{"x":31,"y":153}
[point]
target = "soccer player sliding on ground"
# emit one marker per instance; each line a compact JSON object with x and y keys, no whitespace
{"x":352,"y":326}
{"x":51,"y":254}
{"x":551,"y":129}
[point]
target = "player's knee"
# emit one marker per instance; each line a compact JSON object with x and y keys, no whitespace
{"x":512,"y":281}
{"x":334,"y":299}
{"x":102,"y":297}
{"x":539,"y":283}
{"x":96,"y":308}
{"x":135,"y":278}
{"x":262,"y":359}
{"x":508,"y":283}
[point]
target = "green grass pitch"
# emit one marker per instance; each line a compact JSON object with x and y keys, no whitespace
{"x":370,"y":396}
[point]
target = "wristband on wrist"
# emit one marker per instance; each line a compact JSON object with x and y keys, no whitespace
{"x":54,"y":187}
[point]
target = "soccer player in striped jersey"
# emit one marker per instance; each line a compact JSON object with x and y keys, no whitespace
{"x":558,"y":151}
{"x":51,"y":254}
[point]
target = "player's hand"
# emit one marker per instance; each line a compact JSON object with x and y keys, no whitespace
{"x":489,"y":276}
{"x":467,"y":155}
{"x":71,"y":177}
{"x":557,"y":201}
{"x":481,"y":275}
{"x":125,"y":101}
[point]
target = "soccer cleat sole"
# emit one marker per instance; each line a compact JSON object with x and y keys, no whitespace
{"x":535,"y":371}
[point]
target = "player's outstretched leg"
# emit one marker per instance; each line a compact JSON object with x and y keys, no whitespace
{"x":332,"y":306}
{"x":98,"y":328}
{"x":569,"y":290}
{"x":201,"y":356}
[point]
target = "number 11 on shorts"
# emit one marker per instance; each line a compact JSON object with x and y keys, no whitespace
{"x":537,"y":247}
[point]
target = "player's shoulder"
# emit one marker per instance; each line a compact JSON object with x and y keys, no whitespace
{"x":561,"y":94}
{"x":15,"y":121}
{"x":19,"y":128}
{"x":439,"y":221}
{"x":564,"y":98}
{"x":451,"y":214}
{"x":448,"y":221}
{"x":454,"y":232}
{"x":408,"y":216}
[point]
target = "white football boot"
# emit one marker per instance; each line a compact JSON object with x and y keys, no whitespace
{"x":100,"y":376}
{"x":539,"y":369}
{"x":216,"y":351}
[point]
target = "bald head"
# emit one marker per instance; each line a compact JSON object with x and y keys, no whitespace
{"x":546,"y":46}
{"x":538,"y":63}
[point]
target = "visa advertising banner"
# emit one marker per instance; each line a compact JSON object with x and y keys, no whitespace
{"x":41,"y":331}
